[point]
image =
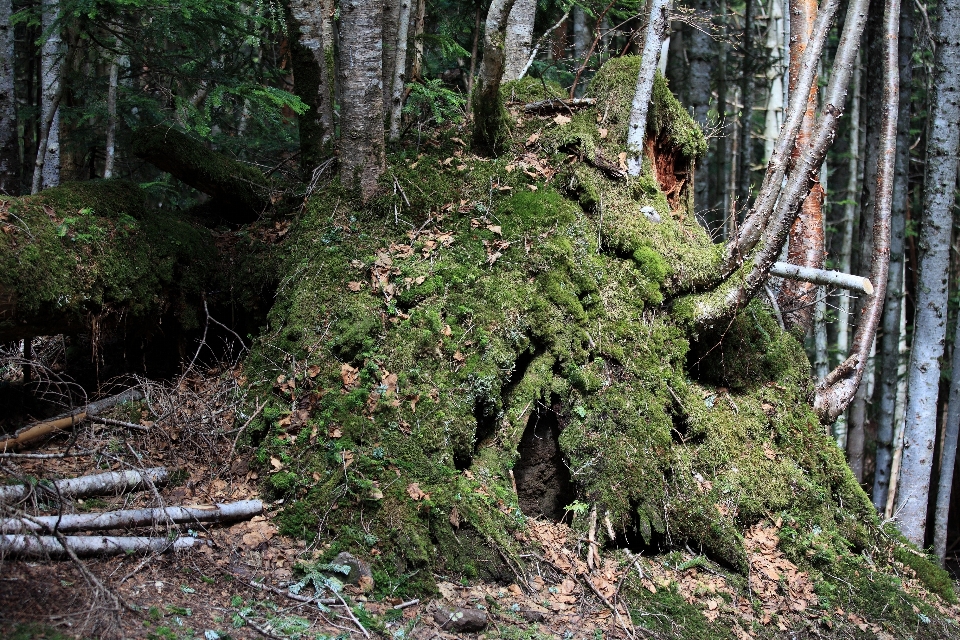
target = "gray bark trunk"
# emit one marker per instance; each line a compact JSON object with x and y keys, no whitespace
{"x":488,"y":124}
{"x":362,"y":159}
{"x":889,"y":363}
{"x":940,"y":181}
{"x":312,"y":22}
{"x":702,"y":56}
{"x":9,"y":147}
{"x":111,"y":151}
{"x":47,"y":167}
{"x":400,"y":68}
{"x":113,"y":482}
{"x":581,"y":34}
{"x":746,"y":117}
{"x":519,"y":38}
{"x":31,"y":546}
{"x":391,"y":30}
{"x":637,"y":127}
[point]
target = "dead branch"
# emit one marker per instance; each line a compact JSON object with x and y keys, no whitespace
{"x":558,"y":104}
{"x":99,"y":484}
{"x":292,"y":596}
{"x":822,"y":276}
{"x":38,"y":430}
{"x":122,"y":423}
{"x":31,"y":546}
{"x":133,"y":518}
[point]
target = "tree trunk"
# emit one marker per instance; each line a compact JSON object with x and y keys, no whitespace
{"x":518,"y":39}
{"x":637,"y":127}
{"x":130,"y":518}
{"x":581,"y":34}
{"x":471,"y":77}
{"x":30,"y":546}
{"x":111,"y":150}
{"x":489,"y":135}
{"x":419,"y":23}
{"x":702,"y":56}
{"x":113,"y":482}
{"x":943,"y":140}
{"x":400,"y":68}
{"x":746,"y":118}
{"x":9,"y":144}
{"x":718,"y":194}
{"x":889,"y":363}
{"x":806,"y":243}
{"x":46,"y":171}
{"x":362,"y":158}
{"x":391,"y":31}
{"x":311,"y":29}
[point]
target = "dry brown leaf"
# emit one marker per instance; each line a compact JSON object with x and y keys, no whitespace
{"x":347,"y":457}
{"x":334,"y":432}
{"x":533,"y":138}
{"x":275,"y":462}
{"x":349,"y":375}
{"x":495,"y":228}
{"x":603,"y":132}
{"x":455,"y":517}
{"x":415,"y":492}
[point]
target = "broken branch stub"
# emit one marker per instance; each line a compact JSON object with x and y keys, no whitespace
{"x":822,"y":276}
{"x":129,"y":518}
{"x":100,"y":484}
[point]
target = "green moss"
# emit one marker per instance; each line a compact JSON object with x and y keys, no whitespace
{"x":527,"y":90}
{"x":928,"y":571}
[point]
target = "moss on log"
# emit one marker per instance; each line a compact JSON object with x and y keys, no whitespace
{"x":91,"y":253}
{"x":240,"y":192}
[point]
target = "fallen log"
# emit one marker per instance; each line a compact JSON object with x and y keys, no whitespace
{"x":94,"y":254}
{"x":64,"y":421}
{"x":113,"y":482}
{"x":129,"y":518}
{"x":31,"y":546}
{"x":240,"y":192}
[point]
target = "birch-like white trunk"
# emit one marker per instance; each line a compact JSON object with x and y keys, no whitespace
{"x":112,"y":482}
{"x":47,"y":167}
{"x":9,"y":146}
{"x":131,"y":518}
{"x":111,"y":151}
{"x":399,"y":70}
{"x":487,"y":110}
{"x":702,"y":56}
{"x":943,"y":144}
{"x":362,"y":159}
{"x":518,"y":38}
{"x":637,"y":127}
{"x":31,"y":546}
{"x":581,"y":34}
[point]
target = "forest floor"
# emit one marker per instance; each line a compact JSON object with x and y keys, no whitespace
{"x":236,"y":586}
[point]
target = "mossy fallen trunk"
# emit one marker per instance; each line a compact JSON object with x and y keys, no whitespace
{"x":531,"y":296}
{"x":92,"y":253}
{"x":240,"y":192}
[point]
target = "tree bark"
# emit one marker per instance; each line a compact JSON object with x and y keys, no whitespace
{"x":488,"y":113}
{"x":111,"y":150}
{"x":47,"y":167}
{"x":114,"y":482}
{"x":701,"y":54}
{"x":518,"y":38}
{"x":391,"y":30}
{"x":943,"y":140}
{"x":400,"y":68}
{"x":362,"y":159}
{"x":130,"y":518}
{"x":9,"y":143}
{"x":637,"y":126}
{"x":471,"y":77}
{"x":311,"y":27}
{"x":806,"y":243}
{"x":889,"y":361}
{"x":30,"y":546}
{"x":746,"y":118}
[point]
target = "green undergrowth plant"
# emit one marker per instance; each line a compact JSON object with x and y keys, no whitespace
{"x":414,"y":339}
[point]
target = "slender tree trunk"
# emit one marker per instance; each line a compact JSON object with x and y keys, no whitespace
{"x":719,"y":195}
{"x":863,"y":248}
{"x":775,"y":98}
{"x":519,"y":38}
{"x":581,"y":34}
{"x":400,"y":67}
{"x":806,"y":244}
{"x":637,"y":127}
{"x":362,"y":159}
{"x":702,"y":56}
{"x":416,"y":67}
{"x":111,"y":151}
{"x":473,"y":62}
{"x":9,"y":144}
{"x":488,"y":112}
{"x":46,"y":171}
{"x":311,"y":25}
{"x":391,"y":31}
{"x":746,"y":116}
{"x":889,"y":364}
{"x":943,"y":141}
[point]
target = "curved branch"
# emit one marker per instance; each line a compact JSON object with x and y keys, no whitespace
{"x":837,"y":391}
{"x":755,"y":223}
{"x":710,"y":309}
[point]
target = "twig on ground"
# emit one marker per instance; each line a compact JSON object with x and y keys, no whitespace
{"x":120,"y":423}
{"x":47,"y":456}
{"x":408,"y":603}
{"x":593,"y":556}
{"x":266,"y":633}
{"x":366,"y":634}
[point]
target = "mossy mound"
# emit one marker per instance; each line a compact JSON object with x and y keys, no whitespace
{"x":94,"y":249}
{"x":415,"y":340}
